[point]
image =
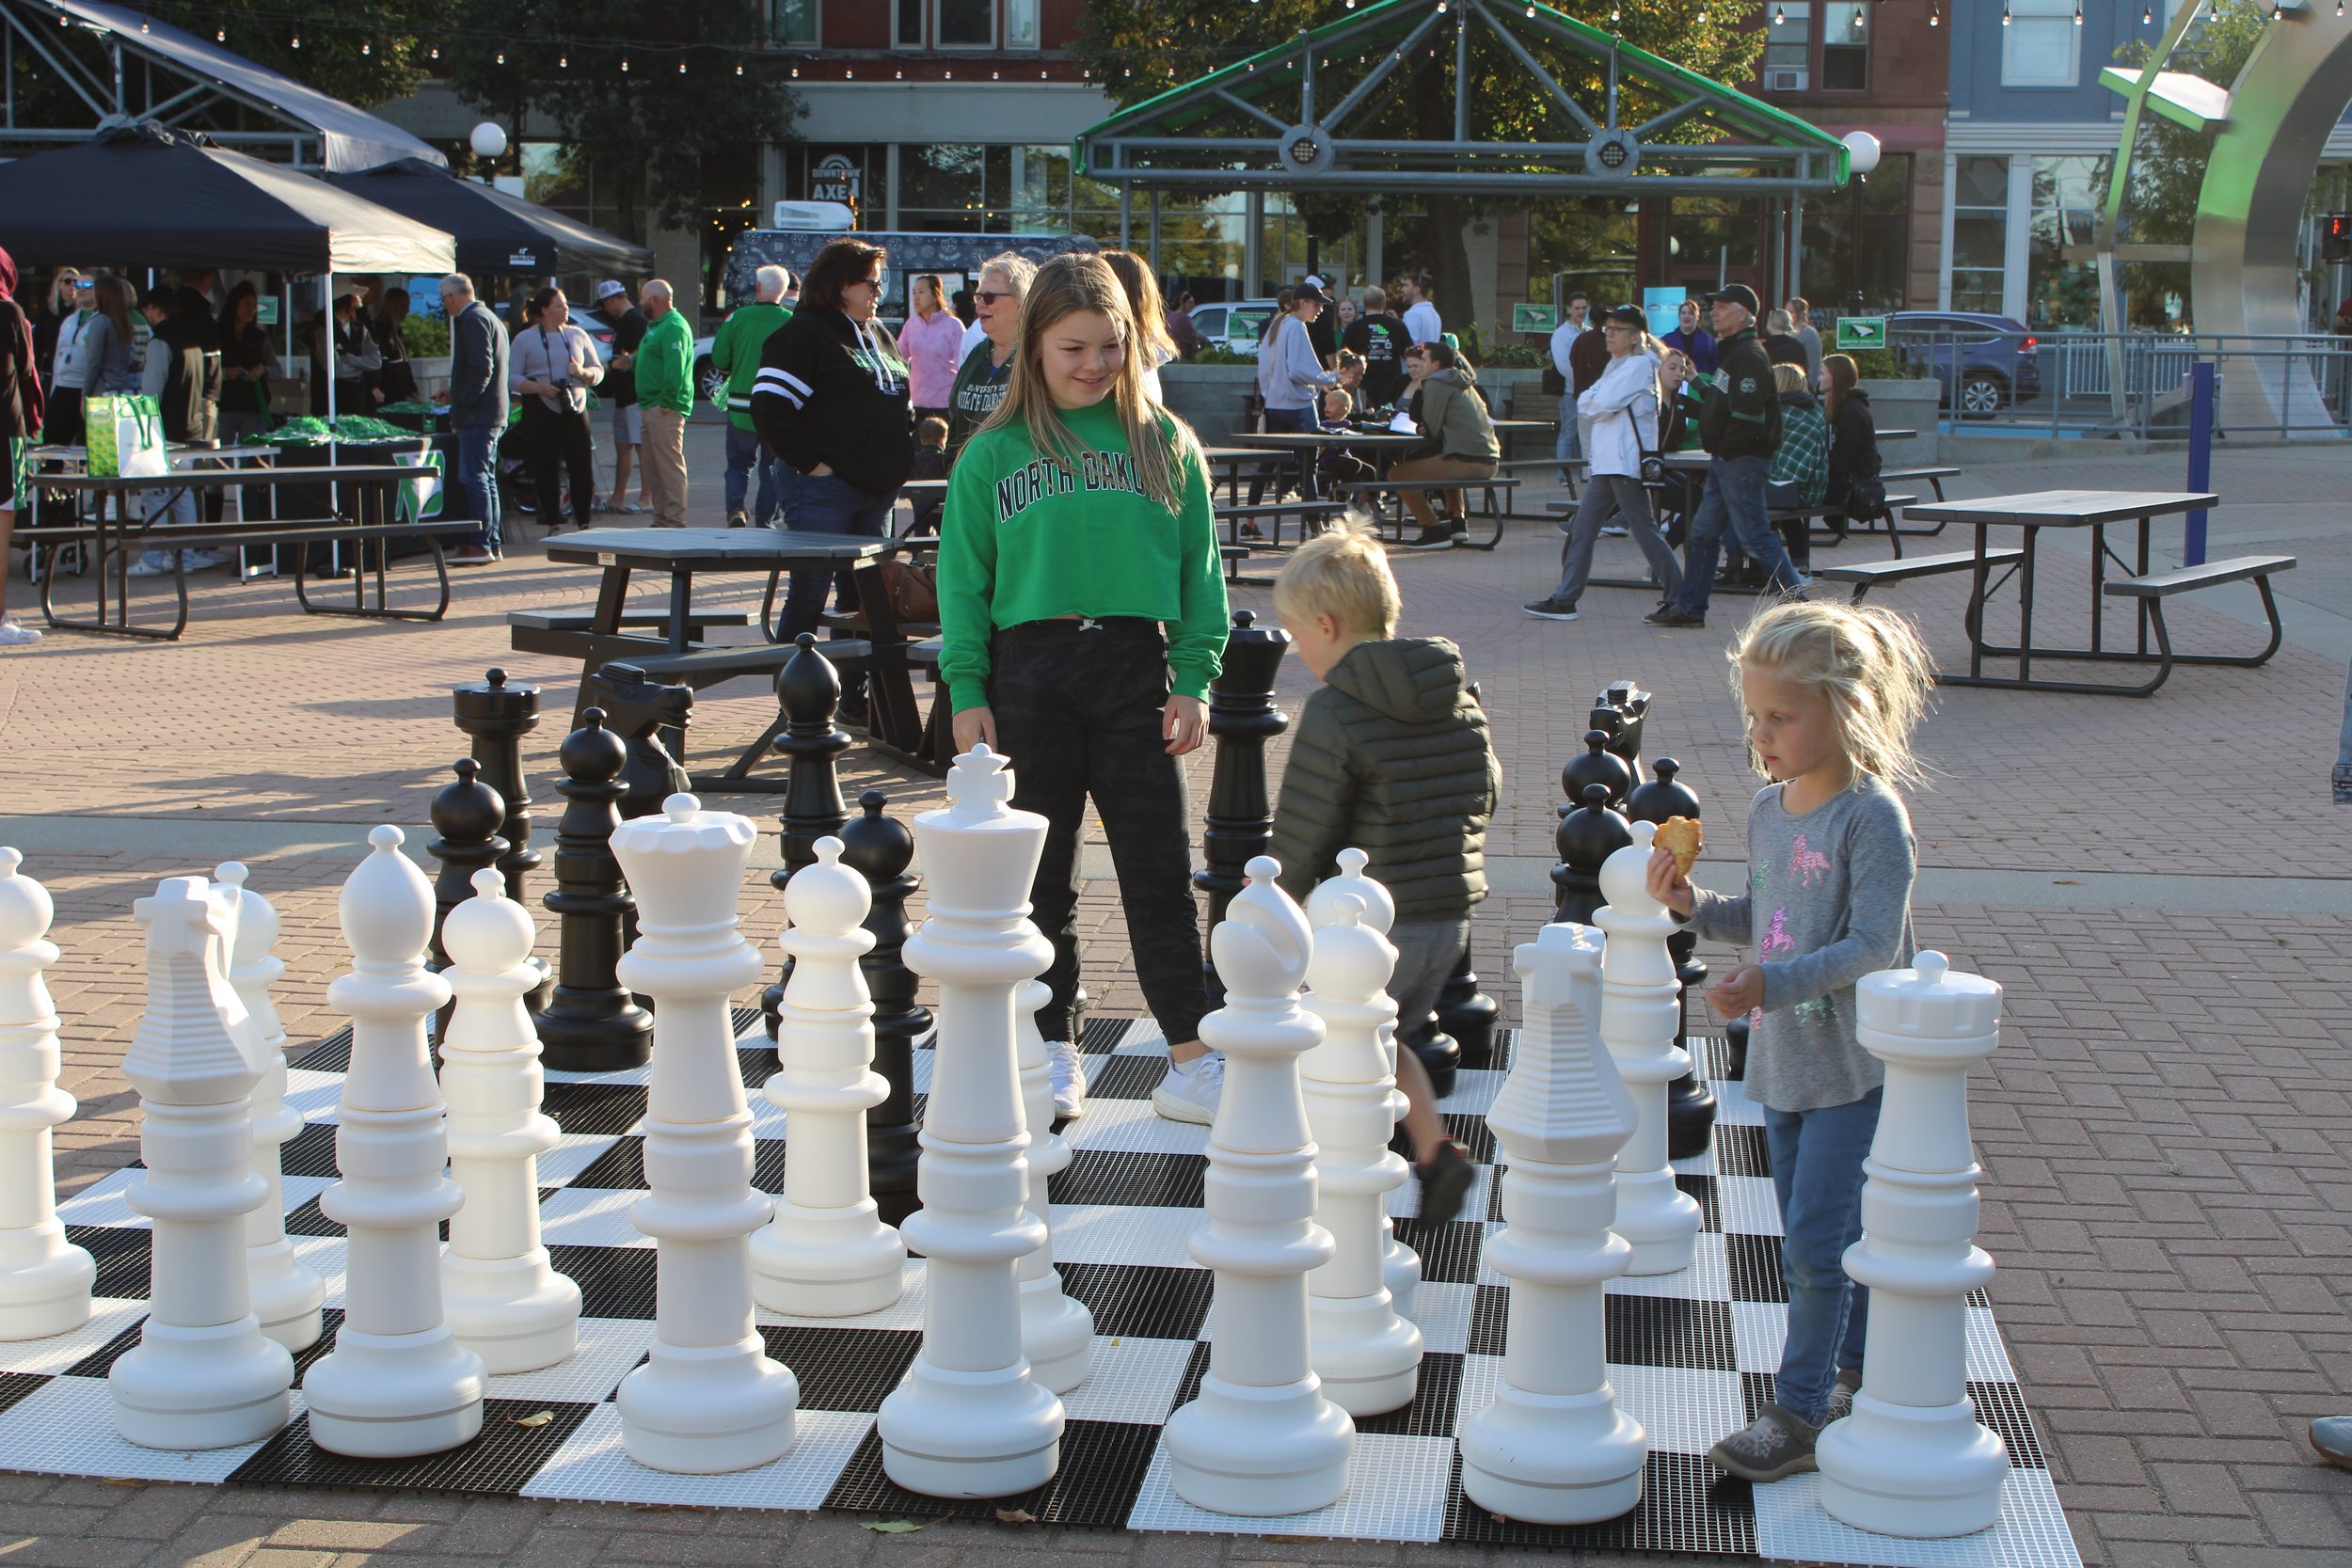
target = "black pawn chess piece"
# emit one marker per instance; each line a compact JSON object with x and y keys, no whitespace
{"x":879,"y":850}
{"x":652,"y":719}
{"x":495,"y":715}
{"x":1595,"y":764}
{"x":1469,"y":1016}
{"x":1242,"y":719}
{"x":1587,"y":837}
{"x":1689,"y":1104}
{"x":590,"y":1025}
{"x":808,"y":689}
{"x":465,"y":818}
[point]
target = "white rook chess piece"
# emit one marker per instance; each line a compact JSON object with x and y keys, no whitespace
{"x":286,"y":1294}
{"x":1057,"y":1332}
{"x":202,"y":1375}
{"x":505,"y":1300}
{"x":708,"y":1398}
{"x":1553,"y":1448}
{"x":1641,"y":1023}
{"x":44,"y":1279}
{"x":1912,"y":1458}
{"x":397,"y":1382}
{"x":971,"y":1421}
{"x":1260,"y":1439}
{"x":1400,"y":1265}
{"x":826,"y":1253}
{"x":1368,"y":1358}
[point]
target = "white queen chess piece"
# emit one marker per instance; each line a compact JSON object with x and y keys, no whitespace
{"x":826,"y":1253}
{"x":1056,"y":1330}
{"x":708,"y":1398}
{"x":505,"y":1300}
{"x":1912,"y":1460}
{"x":1641,"y":1023}
{"x":1260,"y":1439}
{"x":971,"y":1421}
{"x":44,"y":1279}
{"x":1553,"y":1448}
{"x":202,"y":1375}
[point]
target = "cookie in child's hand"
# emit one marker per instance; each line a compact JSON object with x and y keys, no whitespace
{"x":1682,"y":836}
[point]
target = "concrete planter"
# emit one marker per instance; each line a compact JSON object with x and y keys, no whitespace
{"x":1913,"y":404}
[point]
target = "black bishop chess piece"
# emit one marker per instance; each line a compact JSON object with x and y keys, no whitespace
{"x":808,"y":689}
{"x":590,"y":1025}
{"x":1587,"y":837}
{"x":652,"y":719}
{"x":1689,"y":1104}
{"x":466,"y":818}
{"x":1595,"y":764}
{"x":880,"y":848}
{"x":1239,"y":823}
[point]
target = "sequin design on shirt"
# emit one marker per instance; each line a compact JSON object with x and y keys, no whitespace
{"x":1808,"y":864}
{"x":1776,"y":937}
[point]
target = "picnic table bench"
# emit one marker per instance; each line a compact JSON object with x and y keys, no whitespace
{"x":1492,"y":490}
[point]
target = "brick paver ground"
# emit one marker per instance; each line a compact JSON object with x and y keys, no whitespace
{"x":2163,"y":1131}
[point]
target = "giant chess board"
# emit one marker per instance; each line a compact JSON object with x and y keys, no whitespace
{"x":1691,"y":1354}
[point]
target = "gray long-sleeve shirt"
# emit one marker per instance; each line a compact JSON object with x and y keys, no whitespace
{"x":1828,"y":901}
{"x":1288,"y":371}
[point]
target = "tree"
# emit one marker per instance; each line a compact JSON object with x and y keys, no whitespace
{"x":365,"y":58}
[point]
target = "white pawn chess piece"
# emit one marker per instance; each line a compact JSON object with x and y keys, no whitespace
{"x":202,"y":1375}
{"x":708,"y":1398}
{"x":1260,"y":1439}
{"x":826,"y":1253}
{"x":505,"y":1298}
{"x":1912,"y":1460}
{"x":1056,"y":1331}
{"x":287,"y":1294}
{"x":1400,"y":1265}
{"x":1641,"y":1023}
{"x":397,"y":1383}
{"x":971,"y":1421}
{"x":1553,"y":1448}
{"x":1368,"y":1358}
{"x":44,"y":1279}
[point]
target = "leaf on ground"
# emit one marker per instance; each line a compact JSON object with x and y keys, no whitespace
{"x":120,"y":1481}
{"x":536,"y":1419}
{"x":890,"y":1527}
{"x":1015,"y":1517}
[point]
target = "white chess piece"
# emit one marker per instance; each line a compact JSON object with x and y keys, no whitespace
{"x":287,"y":1294}
{"x":44,"y":1279}
{"x":397,"y":1382}
{"x":1056,"y":1330}
{"x":708,"y":1398}
{"x":1368,"y":1358}
{"x":202,"y":1375}
{"x":826,"y":1253}
{"x":971,"y":1421}
{"x":1260,"y":1439}
{"x":1400,"y":1265}
{"x":1912,"y":1460}
{"x":1641,"y":1023}
{"x":505,"y":1300}
{"x":1553,"y":1448}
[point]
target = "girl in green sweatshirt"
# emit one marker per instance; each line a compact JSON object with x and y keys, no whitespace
{"x":1083,"y":616}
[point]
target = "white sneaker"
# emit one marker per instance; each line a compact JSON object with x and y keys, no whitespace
{"x":1191,"y":1089}
{"x":154,"y":564}
{"x":15,"y":633}
{"x":1615,"y":530}
{"x":1069,"y":1078}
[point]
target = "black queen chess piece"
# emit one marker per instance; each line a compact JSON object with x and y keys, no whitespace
{"x":1689,"y":1104}
{"x":808,"y":690}
{"x":880,"y":848}
{"x":590,"y":1025}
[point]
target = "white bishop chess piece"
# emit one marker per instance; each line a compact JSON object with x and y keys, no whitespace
{"x":397,"y":1382}
{"x":1553,"y":1448}
{"x":44,"y":1279}
{"x":1641,"y":1023}
{"x":826,"y":1253}
{"x":1260,"y":1439}
{"x":708,"y":1398}
{"x":505,"y":1300}
{"x":1056,"y":1330}
{"x":1912,"y":1458}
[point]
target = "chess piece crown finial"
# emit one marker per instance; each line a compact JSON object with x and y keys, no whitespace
{"x":980,"y":784}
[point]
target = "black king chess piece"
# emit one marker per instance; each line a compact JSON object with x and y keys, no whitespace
{"x":590,"y":1025}
{"x":1689,"y":1104}
{"x":808,"y":689}
{"x":466,"y":818}
{"x":880,"y":849}
{"x":1242,"y":719}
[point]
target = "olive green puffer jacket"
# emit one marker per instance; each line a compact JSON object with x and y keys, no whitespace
{"x":1392,"y":758}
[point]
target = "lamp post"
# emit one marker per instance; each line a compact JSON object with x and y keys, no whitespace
{"x":489,"y":145}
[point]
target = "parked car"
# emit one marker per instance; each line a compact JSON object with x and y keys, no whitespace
{"x":1236,"y":325}
{"x":1996,"y":362}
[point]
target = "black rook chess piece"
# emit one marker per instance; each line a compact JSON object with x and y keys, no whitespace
{"x":590,"y":1024}
{"x":808,"y":689}
{"x":496,"y":714}
{"x":652,"y":719}
{"x":879,"y":850}
{"x":1242,"y":719}
{"x":1689,"y":1104}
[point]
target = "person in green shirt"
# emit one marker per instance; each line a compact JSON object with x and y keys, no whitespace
{"x":734,"y":354}
{"x":1083,"y":616}
{"x":665,"y":396}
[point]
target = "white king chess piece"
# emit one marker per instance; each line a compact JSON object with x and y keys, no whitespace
{"x":505,"y":1299}
{"x":44,"y":1279}
{"x":1056,"y":1330}
{"x":971,"y":1421}
{"x":708,"y":1398}
{"x":827,"y":1254}
{"x":202,"y":1375}
{"x":397,"y":1382}
{"x":1553,"y":1448}
{"x":1641,"y":1023}
{"x":1912,"y":1458}
{"x":1260,"y":1439}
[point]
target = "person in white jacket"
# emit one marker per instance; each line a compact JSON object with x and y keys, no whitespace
{"x":1620,"y":416}
{"x":1290,"y":378}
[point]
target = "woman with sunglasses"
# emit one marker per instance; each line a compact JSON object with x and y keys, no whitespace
{"x":987,"y":368}
{"x":73,"y":296}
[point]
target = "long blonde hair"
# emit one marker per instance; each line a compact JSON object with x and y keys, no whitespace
{"x":1163,"y":448}
{"x":1143,"y":295}
{"x":1867,"y":662}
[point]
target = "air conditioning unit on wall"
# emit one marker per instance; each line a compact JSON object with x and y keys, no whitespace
{"x":1784,"y":81}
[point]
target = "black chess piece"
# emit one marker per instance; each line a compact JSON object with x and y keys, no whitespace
{"x":1587,"y":836}
{"x":1689,"y":1104}
{"x":808,"y":689}
{"x":590,"y":1025}
{"x":496,"y":714}
{"x":1619,"y":712}
{"x":1595,"y":764}
{"x":652,"y":719}
{"x":466,"y":815}
{"x":1469,"y":1016}
{"x":1239,"y":823}
{"x":1736,"y":1050}
{"x":879,"y":850}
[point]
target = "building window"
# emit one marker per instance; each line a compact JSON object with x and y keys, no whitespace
{"x":906,"y":30}
{"x":1788,"y":47}
{"x":967,"y":24}
{"x":2042,"y":45}
{"x":1980,"y":231}
{"x":1020,"y":29}
{"x":794,"y":21}
{"x":1846,"y":46}
{"x":2067,"y":195}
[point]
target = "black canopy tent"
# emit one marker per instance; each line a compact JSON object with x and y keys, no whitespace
{"x":497,"y":233}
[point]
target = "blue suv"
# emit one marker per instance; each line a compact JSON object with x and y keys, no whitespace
{"x":1997,"y":365}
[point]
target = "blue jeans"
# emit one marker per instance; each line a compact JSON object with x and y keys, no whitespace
{"x":1817,"y":1175}
{"x":1571,"y":442}
{"x":746,"y":453}
{"x":827,"y":504}
{"x":1733,"y":499}
{"x":476,"y":473}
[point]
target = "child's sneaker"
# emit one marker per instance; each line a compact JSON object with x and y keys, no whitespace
{"x":1445,"y":1176}
{"x":1775,"y":1445}
{"x":14,"y":633}
{"x":1841,"y":1395}
{"x":1191,"y":1089}
{"x":1070,"y":1079}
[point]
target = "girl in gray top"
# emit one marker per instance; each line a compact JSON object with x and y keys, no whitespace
{"x":1831,"y":694}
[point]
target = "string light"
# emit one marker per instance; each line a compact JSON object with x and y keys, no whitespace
{"x":143,"y":28}
{"x":562,"y":62}
{"x":1857,"y":18}
{"x":1779,"y":15}
{"x":1935,"y":17}
{"x":220,"y":35}
{"x":739,"y":67}
{"x":1614,"y":13}
{"x":2004,"y":13}
{"x":502,"y":56}
{"x":297,"y":40}
{"x":625,"y":65}
{"x":2147,"y":15}
{"x":681,"y":68}
{"x":436,"y":51}
{"x":2078,"y":12}
{"x":365,"y":48}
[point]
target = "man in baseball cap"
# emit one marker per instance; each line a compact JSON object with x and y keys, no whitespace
{"x":618,"y":391}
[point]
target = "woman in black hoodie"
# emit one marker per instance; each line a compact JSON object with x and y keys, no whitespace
{"x":1853,"y":432}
